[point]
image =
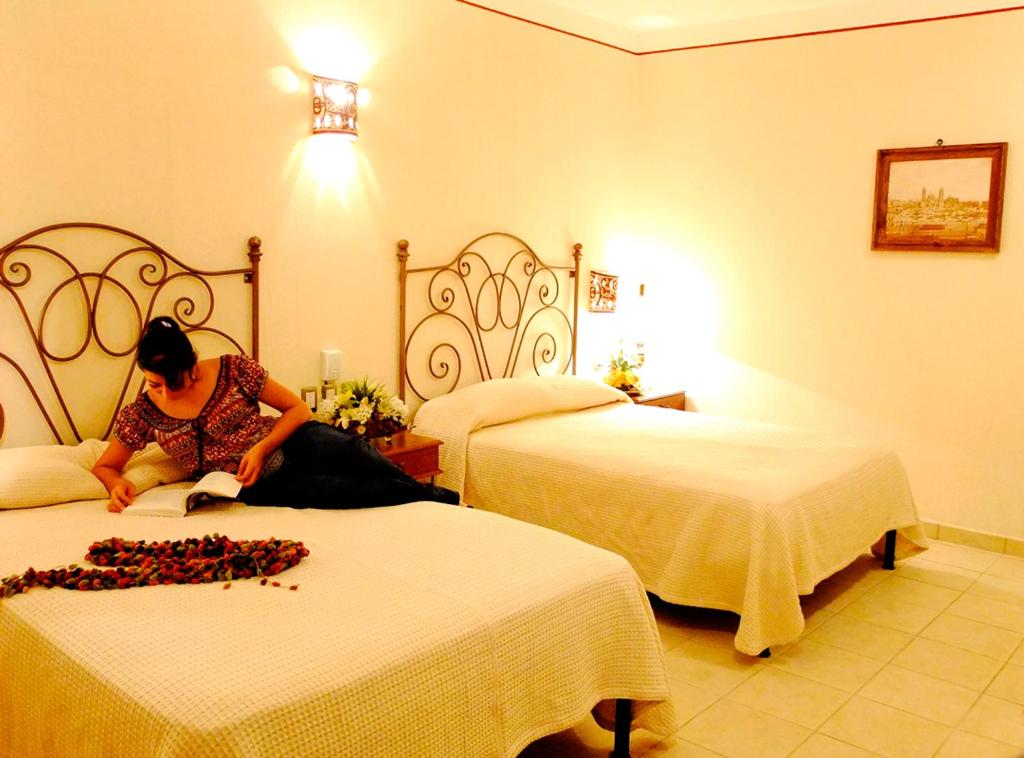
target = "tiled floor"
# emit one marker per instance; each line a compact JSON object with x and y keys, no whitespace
{"x":926,"y":660}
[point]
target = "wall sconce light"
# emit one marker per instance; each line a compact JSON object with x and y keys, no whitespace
{"x":335,"y":106}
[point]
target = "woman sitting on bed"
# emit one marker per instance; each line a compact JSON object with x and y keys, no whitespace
{"x":206,"y":415}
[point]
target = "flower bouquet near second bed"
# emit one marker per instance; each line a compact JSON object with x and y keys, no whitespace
{"x":623,"y":370}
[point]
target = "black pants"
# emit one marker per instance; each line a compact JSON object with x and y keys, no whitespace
{"x":326,"y":468}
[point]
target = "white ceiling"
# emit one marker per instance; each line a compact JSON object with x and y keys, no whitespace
{"x":648,"y":25}
{"x":655,"y":14}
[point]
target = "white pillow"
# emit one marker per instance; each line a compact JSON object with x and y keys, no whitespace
{"x":498,"y":401}
{"x":49,"y":474}
{"x":453,"y":417}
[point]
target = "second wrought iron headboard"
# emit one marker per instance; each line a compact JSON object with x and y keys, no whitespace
{"x":480,"y":309}
{"x":132,"y":285}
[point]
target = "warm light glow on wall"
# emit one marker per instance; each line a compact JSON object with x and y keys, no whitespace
{"x":334,"y":170}
{"x":284,"y":79}
{"x":333,"y":52}
{"x":332,"y":165}
{"x":338,"y":61}
{"x":677,"y":316}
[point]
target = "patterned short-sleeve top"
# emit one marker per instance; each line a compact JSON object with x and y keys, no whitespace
{"x":227,"y":426}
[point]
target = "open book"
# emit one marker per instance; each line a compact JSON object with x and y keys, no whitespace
{"x":179,"y":501}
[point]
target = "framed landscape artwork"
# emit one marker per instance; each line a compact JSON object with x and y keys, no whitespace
{"x":943,"y":198}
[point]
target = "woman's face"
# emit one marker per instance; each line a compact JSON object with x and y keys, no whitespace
{"x":157,"y":384}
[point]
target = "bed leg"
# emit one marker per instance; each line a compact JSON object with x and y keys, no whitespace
{"x":766,"y":653}
{"x":623,"y":719}
{"x":889,"y":558}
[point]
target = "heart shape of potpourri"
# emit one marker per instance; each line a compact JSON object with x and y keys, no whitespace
{"x":196,"y":560}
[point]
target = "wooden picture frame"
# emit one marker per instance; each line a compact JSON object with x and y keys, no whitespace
{"x":937,"y":199}
{"x":604,"y":292}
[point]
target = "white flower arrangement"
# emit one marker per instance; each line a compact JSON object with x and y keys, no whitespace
{"x":365,"y":409}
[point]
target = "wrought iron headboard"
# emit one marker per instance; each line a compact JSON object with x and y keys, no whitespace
{"x":133,"y":295}
{"x":489,"y":303}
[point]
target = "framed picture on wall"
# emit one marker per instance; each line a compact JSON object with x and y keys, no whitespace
{"x":604,"y":292}
{"x":942,"y":198}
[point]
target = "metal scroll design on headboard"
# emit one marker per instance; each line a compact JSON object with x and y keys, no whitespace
{"x":481,"y":311}
{"x":135,"y":277}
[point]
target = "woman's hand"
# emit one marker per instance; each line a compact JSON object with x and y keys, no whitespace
{"x":294,"y":413}
{"x":108,"y":470}
{"x":251,"y":465}
{"x":121,"y":495}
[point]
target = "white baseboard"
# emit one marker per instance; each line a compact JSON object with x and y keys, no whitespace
{"x":995,"y":543}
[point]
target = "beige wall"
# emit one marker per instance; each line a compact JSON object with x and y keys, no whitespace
{"x":760,"y":184}
{"x":172,"y":119}
{"x":735,"y":183}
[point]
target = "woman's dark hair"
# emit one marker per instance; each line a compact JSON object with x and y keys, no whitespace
{"x":166,"y":350}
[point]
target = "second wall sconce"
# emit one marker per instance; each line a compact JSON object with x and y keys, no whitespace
{"x":335,"y":107}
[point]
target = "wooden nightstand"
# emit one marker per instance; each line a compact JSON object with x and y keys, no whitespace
{"x":415,"y":455}
{"x":675,"y":400}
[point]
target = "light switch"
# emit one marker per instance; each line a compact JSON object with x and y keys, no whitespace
{"x":330,"y":365}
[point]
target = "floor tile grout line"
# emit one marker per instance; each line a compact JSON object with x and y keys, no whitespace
{"x":912,"y":713}
{"x":684,"y":634}
{"x":858,"y":692}
{"x":948,"y":738}
{"x":803,"y":742}
{"x":927,"y":608}
{"x":985,"y":692}
{"x":986,"y":597}
{"x":718,"y":698}
{"x":764,"y":664}
{"x":985,"y":736}
{"x":1016,"y":650}
{"x":968,"y":650}
{"x":912,"y":637}
{"x":841,"y":741}
{"x":917,"y":635}
{"x":814,"y":731}
{"x":969,"y":618}
{"x":965,"y":548}
{"x":946,"y":608}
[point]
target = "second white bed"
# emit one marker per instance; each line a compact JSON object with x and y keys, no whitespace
{"x":711,"y":512}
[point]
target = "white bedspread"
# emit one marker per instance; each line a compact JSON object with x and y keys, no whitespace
{"x":711,"y":512}
{"x":416,"y":630}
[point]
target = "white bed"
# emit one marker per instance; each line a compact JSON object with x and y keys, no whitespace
{"x":416,"y":630}
{"x":420,"y":629}
{"x":711,"y":512}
